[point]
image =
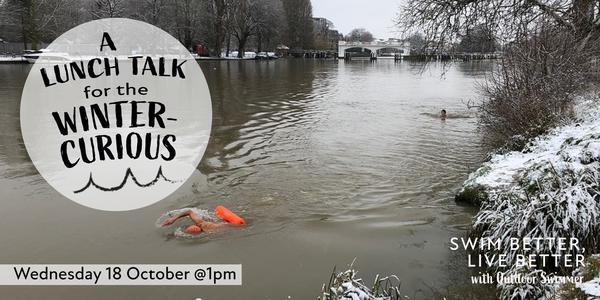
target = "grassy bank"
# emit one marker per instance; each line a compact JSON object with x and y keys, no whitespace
{"x":550,"y":189}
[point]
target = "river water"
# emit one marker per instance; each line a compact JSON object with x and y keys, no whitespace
{"x":328,"y":161}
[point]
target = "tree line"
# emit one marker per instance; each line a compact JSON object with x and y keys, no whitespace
{"x":215,"y":24}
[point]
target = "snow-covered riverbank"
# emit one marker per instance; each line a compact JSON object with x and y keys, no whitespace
{"x":12,"y":59}
{"x":575,"y":146}
{"x":551,"y":189}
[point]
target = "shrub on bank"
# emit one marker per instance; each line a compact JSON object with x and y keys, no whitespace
{"x":472,"y":195}
{"x":559,"y":209}
{"x":347,"y":286}
{"x":534,"y":86}
{"x":549,"y":189}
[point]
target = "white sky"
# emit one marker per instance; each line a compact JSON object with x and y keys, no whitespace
{"x":375,"y":16}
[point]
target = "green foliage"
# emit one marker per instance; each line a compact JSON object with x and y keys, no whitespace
{"x":472,"y":195}
{"x":570,"y":291}
{"x":589,"y":271}
{"x":592,"y":268}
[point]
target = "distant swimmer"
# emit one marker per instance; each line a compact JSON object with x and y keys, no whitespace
{"x":200,"y":223}
{"x":443,"y":114}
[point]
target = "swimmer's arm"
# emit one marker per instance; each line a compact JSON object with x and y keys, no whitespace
{"x":195,"y":217}
{"x":192,"y":214}
{"x":176,"y":217}
{"x":182,"y":214}
{"x":209,"y":226}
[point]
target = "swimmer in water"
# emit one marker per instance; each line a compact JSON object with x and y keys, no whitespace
{"x":201,"y":224}
{"x":443,"y":114}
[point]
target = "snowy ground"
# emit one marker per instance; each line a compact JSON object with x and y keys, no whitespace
{"x":574,"y":146}
{"x":4,"y":58}
{"x":591,"y":288}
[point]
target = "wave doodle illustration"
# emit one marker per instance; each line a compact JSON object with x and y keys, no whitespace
{"x":128,"y":174}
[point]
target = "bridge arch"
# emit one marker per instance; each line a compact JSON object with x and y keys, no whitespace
{"x":358,"y":49}
{"x":377,"y":48}
{"x":359,"y":52}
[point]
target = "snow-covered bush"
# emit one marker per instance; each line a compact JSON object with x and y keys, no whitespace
{"x":561,"y":208}
{"x":346,"y":286}
{"x":522,"y":291}
{"x":549,"y":189}
{"x":562,"y":205}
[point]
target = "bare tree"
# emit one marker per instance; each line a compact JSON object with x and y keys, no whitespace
{"x":359,"y":35}
{"x":534,"y":87}
{"x":154,"y":11}
{"x":107,"y":8}
{"x":447,"y":21}
{"x":39,"y":20}
{"x":8,"y":11}
{"x":187,"y":21}
{"x":479,"y":39}
{"x":417,"y":43}
{"x":210,"y":22}
{"x":220,"y":14}
{"x":298,"y":16}
{"x":244,"y":22}
{"x":269,"y":12}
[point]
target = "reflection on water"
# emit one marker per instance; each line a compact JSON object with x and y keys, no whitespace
{"x":327,"y":160}
{"x":334,"y":138}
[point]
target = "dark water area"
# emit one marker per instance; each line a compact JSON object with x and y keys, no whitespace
{"x":329,"y":161}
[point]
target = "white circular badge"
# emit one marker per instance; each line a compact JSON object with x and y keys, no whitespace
{"x":115,"y":114}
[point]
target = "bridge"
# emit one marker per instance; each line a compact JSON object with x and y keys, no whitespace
{"x":376,"y":49}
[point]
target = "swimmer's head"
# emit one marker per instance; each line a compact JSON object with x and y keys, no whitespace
{"x":193,"y":229}
{"x":443,"y":114}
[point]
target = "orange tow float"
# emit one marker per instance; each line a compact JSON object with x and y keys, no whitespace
{"x":228,"y":216}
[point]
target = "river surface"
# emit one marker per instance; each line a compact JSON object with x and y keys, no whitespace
{"x":328,"y":161}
